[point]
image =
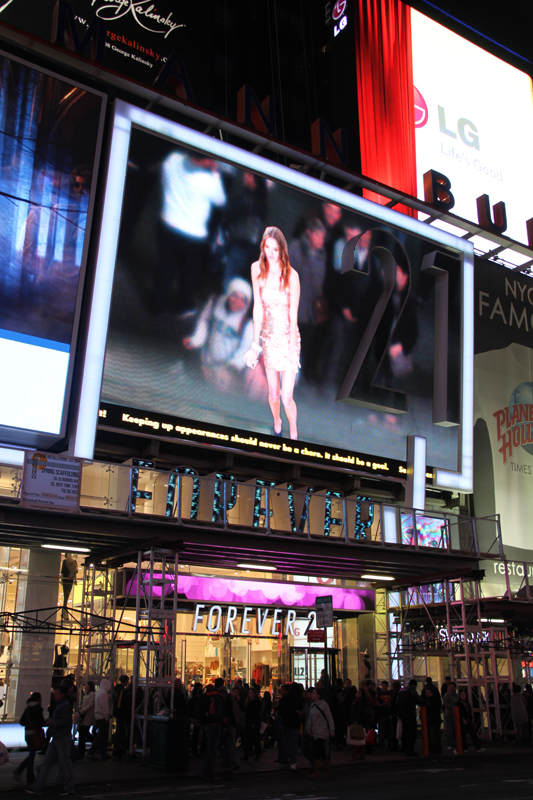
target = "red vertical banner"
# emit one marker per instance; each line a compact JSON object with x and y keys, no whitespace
{"x":386,"y":96}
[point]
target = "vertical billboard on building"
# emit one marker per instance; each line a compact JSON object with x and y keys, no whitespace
{"x":431,"y":100}
{"x":382,"y":311}
{"x":50,"y":135}
{"x":504,"y":403}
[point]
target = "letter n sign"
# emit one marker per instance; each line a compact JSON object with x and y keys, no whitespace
{"x":261,"y":116}
{"x":331,"y":146}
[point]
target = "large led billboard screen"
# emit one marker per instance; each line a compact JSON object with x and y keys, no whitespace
{"x":428,"y":99}
{"x":474,"y":123}
{"x":49,"y":147}
{"x":366,"y":341}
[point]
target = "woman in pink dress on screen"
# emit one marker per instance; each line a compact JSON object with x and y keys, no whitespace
{"x":276,"y":288}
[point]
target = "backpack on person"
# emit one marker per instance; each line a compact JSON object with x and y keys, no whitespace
{"x":205,"y":710}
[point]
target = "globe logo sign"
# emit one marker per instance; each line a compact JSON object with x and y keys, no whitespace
{"x":421,"y":109}
{"x":522,"y":396}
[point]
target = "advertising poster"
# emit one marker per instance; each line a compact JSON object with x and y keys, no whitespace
{"x":455,"y":125}
{"x":429,"y":99}
{"x":51,"y":482}
{"x":49,"y":149}
{"x":503,"y":405}
{"x":138,"y":35}
{"x":189,"y":302}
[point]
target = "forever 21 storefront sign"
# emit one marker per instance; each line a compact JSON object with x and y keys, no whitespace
{"x":215,"y":622}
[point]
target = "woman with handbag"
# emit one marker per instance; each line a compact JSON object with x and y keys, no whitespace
{"x":322,"y":728}
{"x":358,"y":718}
{"x":33,"y":720}
{"x":85,"y":718}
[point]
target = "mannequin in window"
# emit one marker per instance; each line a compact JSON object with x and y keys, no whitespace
{"x":60,"y":664}
{"x":69,"y":570}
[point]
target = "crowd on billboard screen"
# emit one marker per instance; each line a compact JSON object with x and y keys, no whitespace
{"x":230,"y":307}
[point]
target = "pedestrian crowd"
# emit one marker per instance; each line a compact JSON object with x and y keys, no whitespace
{"x":307,"y":721}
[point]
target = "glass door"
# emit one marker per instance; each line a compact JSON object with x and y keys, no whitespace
{"x":307,"y":664}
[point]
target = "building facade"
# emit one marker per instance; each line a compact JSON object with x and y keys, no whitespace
{"x":153,"y":520}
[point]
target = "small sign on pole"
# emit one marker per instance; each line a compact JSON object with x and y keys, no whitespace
{"x":316,"y":636}
{"x":324,"y":611}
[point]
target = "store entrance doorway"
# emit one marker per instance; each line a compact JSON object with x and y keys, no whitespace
{"x":308,"y":662}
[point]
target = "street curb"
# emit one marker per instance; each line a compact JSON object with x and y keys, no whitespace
{"x":155,"y":774}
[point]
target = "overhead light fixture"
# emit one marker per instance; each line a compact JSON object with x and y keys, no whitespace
{"x":377,"y":578}
{"x":497,"y":621}
{"x":67,"y":548}
{"x":261,"y":567}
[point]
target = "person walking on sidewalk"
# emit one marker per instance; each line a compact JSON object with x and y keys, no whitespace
{"x":33,"y":721}
{"x":321,"y":727}
{"x":85,"y":718}
{"x":449,"y":701}
{"x":233,"y":714}
{"x":252,"y":725}
{"x":102,"y":712}
{"x":408,"y":700}
{"x":467,"y":722}
{"x":211,"y":716}
{"x":519,"y":716}
{"x":59,"y":749}
{"x":290,"y":709}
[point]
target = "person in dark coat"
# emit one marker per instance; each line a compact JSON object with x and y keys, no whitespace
{"x":433,"y":705}
{"x":359,"y":711}
{"x":467,"y":722}
{"x":408,"y":700}
{"x":233,"y":714}
{"x":290,"y":708}
{"x":192,"y":709}
{"x":252,"y":725}
{"x":211,"y":714}
{"x":396,"y":688}
{"x":383,"y":714}
{"x":32,"y":718}
{"x":60,"y":746}
{"x":122,"y":714}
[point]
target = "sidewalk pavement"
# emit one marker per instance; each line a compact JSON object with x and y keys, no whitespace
{"x":126,"y":770}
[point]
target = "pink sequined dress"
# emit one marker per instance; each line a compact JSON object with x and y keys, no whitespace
{"x":276,"y":332}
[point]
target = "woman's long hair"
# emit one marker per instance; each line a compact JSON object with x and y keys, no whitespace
{"x":276,"y":234}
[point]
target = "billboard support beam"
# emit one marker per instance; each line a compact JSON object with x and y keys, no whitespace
{"x":415,"y":487}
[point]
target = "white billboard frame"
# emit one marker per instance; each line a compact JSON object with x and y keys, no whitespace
{"x":127,"y":116}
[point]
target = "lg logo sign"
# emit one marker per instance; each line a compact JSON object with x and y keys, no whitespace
{"x":339,"y":16}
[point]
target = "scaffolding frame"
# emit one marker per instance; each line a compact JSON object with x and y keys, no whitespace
{"x":480,"y":658}
{"x":96,"y":651}
{"x":154,"y":658}
{"x":382,"y":637}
